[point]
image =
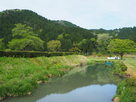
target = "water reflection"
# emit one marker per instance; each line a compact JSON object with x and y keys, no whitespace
{"x":92,"y":93}
{"x":86,"y":84}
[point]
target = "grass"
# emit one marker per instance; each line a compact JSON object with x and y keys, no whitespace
{"x":126,"y":91}
{"x":18,"y":76}
{"x":130,"y":62}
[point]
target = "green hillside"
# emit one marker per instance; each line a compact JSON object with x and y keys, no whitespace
{"x":121,"y":33}
{"x":66,"y":23}
{"x":43,"y":28}
{"x":25,"y":30}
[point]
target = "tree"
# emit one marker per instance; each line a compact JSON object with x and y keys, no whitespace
{"x":102,"y":42}
{"x":65,"y":40}
{"x":86,"y":46}
{"x":54,"y":45}
{"x":25,"y":39}
{"x":75,"y":48}
{"x":22,"y":31}
{"x":28,"y":44}
{"x":122,"y":46}
{"x":1,"y":44}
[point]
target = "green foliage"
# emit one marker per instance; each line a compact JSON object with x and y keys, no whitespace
{"x":87,"y":46}
{"x":127,"y":90}
{"x":127,"y":33}
{"x":103,"y":40}
{"x":32,"y":53}
{"x":25,"y":39}
{"x":1,"y":44}
{"x":54,"y":45}
{"x":22,"y":31}
{"x":122,"y":33}
{"x":119,"y":68}
{"x":34,"y":24}
{"x":66,"y":23}
{"x":26,"y":44}
{"x":66,"y":42}
{"x":120,"y":46}
{"x":18,"y":76}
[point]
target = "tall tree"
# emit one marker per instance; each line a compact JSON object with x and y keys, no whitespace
{"x":1,"y":44}
{"x":29,"y":43}
{"x":121,"y":47}
{"x":86,"y":46}
{"x":22,"y":31}
{"x":65,"y":40}
{"x":25,"y":39}
{"x":54,"y":45}
{"x":102,"y":42}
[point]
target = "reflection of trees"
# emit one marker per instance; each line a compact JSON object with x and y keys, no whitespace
{"x":98,"y":74}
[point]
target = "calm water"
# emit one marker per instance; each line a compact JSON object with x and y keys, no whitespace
{"x":85,"y":84}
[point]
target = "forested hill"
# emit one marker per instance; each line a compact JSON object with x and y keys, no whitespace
{"x":66,"y":23}
{"x":25,"y":30}
{"x":122,"y":33}
{"x":46,"y":29}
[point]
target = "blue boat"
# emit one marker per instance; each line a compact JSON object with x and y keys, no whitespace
{"x":108,"y":63}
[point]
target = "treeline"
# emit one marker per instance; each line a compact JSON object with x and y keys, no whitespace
{"x":19,"y":26}
{"x":25,"y":30}
{"x":122,"y":33}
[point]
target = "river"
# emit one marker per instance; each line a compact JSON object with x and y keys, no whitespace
{"x":93,"y":83}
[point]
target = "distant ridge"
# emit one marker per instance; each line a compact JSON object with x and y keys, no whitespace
{"x":66,"y":23}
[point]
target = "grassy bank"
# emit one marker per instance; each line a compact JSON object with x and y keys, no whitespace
{"x":18,"y":76}
{"x":118,"y":67}
{"x":126,"y":91}
{"x":130,"y":62}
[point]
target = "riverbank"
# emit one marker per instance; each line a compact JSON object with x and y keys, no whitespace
{"x":130,"y":62}
{"x":126,"y":90}
{"x":19,"y":76}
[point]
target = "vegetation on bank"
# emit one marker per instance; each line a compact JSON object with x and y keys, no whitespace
{"x":18,"y":76}
{"x":30,"y":54}
{"x":127,"y":90}
{"x":118,"y":67}
{"x":130,"y":62}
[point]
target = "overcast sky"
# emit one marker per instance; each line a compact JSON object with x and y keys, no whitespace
{"x":91,"y":14}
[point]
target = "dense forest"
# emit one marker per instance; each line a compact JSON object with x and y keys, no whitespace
{"x":25,"y":30}
{"x":122,"y":33}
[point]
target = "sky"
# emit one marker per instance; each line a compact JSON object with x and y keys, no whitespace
{"x":90,"y":14}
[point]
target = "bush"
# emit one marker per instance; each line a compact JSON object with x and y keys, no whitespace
{"x":32,"y":53}
{"x":127,"y":90}
{"x":119,"y":68}
{"x":99,"y":54}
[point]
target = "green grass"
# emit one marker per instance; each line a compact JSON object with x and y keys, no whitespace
{"x":126,"y":90}
{"x":18,"y":76}
{"x":130,"y":62}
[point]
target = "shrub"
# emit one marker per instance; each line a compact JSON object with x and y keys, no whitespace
{"x":32,"y":53}
{"x":127,"y":90}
